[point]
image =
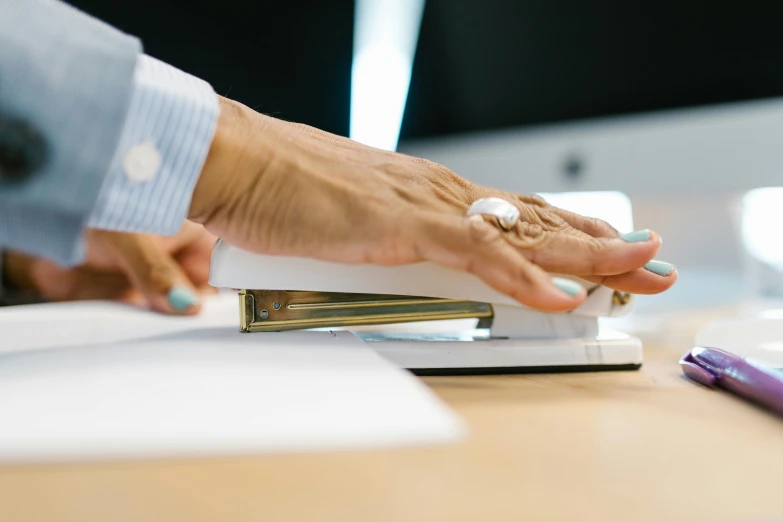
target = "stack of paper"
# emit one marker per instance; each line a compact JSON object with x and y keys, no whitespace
{"x":98,"y":380}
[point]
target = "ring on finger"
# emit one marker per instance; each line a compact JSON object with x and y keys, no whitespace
{"x":506,"y":213}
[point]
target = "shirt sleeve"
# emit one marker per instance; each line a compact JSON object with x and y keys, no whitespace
{"x":163,"y":146}
{"x":66,"y":81}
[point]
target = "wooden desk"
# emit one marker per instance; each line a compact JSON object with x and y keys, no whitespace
{"x":631,"y":446}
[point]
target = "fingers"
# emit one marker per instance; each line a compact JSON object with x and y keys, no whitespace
{"x":656,"y":279}
{"x":51,"y":282}
{"x":195,"y":258}
{"x":576,"y":253}
{"x":640,"y":281}
{"x":561,"y":241}
{"x":592,"y":226}
{"x":477,"y":247}
{"x":153,"y":273}
{"x":191,"y":233}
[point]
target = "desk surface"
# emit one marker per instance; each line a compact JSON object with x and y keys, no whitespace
{"x":628,"y":446}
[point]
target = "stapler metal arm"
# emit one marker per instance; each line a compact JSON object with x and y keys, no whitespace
{"x":280,"y":293}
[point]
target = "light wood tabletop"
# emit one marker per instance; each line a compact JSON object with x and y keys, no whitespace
{"x":643,"y":445}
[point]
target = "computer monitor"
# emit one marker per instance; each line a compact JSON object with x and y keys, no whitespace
{"x":642,"y":97}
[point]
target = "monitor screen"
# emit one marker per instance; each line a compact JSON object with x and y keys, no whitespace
{"x":489,"y":64}
{"x":479,"y":64}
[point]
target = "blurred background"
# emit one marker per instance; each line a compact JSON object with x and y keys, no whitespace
{"x":671,"y":108}
{"x":479,"y":64}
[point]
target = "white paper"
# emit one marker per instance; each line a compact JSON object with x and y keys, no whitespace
{"x":96,"y":380}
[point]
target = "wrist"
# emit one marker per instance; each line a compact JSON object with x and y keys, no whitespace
{"x":230,"y":154}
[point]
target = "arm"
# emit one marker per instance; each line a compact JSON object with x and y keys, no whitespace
{"x":124,"y":135}
{"x":68,"y":78}
{"x":140,"y":180}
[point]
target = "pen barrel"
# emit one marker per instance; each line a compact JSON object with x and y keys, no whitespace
{"x":755,"y":384}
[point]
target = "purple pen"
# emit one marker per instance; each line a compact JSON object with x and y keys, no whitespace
{"x":714,"y":367}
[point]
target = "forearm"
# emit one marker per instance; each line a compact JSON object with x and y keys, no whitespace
{"x":228,"y":150}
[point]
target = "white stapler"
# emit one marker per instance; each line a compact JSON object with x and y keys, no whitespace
{"x":496,"y":333}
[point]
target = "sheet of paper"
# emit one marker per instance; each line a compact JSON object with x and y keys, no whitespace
{"x":96,"y":381}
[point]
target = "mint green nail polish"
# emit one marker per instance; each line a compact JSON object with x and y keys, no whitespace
{"x":637,"y":236}
{"x":181,"y":298}
{"x":661,"y":268}
{"x":566,"y":285}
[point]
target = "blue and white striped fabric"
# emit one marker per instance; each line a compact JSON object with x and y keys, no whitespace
{"x":177,"y":114}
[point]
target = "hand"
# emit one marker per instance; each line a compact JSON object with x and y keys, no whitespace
{"x":282,"y":188}
{"x":164,"y":274}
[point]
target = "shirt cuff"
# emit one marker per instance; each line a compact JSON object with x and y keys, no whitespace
{"x":164,"y":144}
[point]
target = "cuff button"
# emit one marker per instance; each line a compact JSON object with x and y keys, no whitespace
{"x":142,"y":162}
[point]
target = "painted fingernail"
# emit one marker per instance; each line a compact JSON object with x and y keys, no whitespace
{"x":572,"y":288}
{"x":661,"y":268}
{"x":181,"y":298}
{"x":637,"y":236}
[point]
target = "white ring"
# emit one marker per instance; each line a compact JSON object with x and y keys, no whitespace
{"x":507,"y":214}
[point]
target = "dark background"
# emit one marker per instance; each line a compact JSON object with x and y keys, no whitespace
{"x":290,"y":59}
{"x":481,"y":64}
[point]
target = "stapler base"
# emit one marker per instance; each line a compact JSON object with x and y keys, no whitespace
{"x":455,"y":357}
{"x":441,"y":352}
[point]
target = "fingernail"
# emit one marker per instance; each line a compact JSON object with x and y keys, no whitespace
{"x":637,"y":236}
{"x":181,"y":298}
{"x":572,"y":288}
{"x":661,"y":268}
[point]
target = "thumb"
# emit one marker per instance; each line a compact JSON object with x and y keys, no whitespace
{"x":153,"y":273}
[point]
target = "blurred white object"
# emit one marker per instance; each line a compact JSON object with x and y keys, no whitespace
{"x":611,"y":206}
{"x":107,"y":381}
{"x":385,"y":36}
{"x":757,"y":220}
{"x":756,"y":336}
{"x":761,"y":219}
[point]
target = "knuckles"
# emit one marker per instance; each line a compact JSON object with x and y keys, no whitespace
{"x":482,"y":233}
{"x":533,"y":200}
{"x":530,"y":236}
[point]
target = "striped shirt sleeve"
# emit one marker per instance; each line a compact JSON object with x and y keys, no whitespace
{"x":167,"y":134}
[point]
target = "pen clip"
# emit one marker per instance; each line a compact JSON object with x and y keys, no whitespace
{"x":694,"y":371}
